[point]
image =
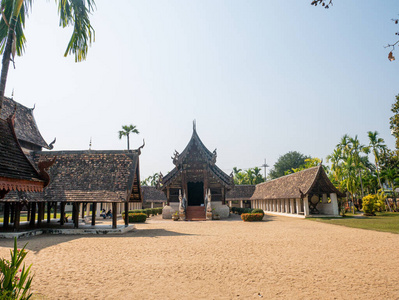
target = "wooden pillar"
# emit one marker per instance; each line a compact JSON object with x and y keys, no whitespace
{"x":223,"y":195}
{"x":62,"y":218}
{"x":28,"y":215}
{"x":17,"y":219}
{"x":48,"y":212}
{"x":40,"y":214}
{"x":6,"y":217}
{"x":32,"y":215}
{"x":126,"y":213}
{"x":83,"y":206}
{"x":114,"y":206}
{"x":12,"y":214}
{"x":93,"y":214}
{"x":167,"y":196}
{"x":55,"y":210}
{"x":75,"y":211}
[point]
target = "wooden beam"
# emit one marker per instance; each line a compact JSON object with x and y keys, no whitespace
{"x":12,"y":214}
{"x":93,"y":214}
{"x":6,"y":217}
{"x":62,"y":219}
{"x":40,"y":214}
{"x":76,"y":214}
{"x":55,"y":210}
{"x":18,"y":207}
{"x":28,"y":215}
{"x":48,"y":212}
{"x":126,"y":213}
{"x":32,"y":215}
{"x":114,"y":215}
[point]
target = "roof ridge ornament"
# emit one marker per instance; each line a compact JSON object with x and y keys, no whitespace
{"x":194,"y":125}
{"x":51,"y":146}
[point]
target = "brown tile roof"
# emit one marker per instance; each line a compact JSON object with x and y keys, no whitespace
{"x":152,"y":194}
{"x":309,"y":181}
{"x":240,"y":192}
{"x":25,"y":124}
{"x":93,"y":176}
{"x":16,"y":171}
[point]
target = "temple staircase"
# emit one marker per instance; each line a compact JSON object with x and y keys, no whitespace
{"x":195,"y":213}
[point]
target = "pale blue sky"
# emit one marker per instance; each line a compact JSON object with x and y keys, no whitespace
{"x":260,"y":77}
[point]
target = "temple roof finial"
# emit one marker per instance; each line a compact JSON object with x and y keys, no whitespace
{"x":194,"y":125}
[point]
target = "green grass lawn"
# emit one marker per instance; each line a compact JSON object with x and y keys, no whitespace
{"x":24,"y":217}
{"x":387,"y":221}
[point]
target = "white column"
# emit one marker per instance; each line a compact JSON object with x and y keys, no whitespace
{"x":306,"y":206}
{"x":88,"y":209}
{"x":287,"y":206}
{"x":152,"y":204}
{"x":298,"y":206}
{"x":241,"y":204}
{"x":230,"y":203}
{"x":98,"y":210}
{"x":334,"y":202}
{"x":292,"y":207}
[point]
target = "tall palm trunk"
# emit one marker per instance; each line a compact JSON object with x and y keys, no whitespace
{"x":128,"y":142}
{"x":361,"y":183}
{"x":8,"y":49}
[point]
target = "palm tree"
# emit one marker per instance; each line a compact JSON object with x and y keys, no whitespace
{"x":355,"y":149}
{"x":127,"y":130}
{"x":378,"y":147}
{"x":12,"y":39}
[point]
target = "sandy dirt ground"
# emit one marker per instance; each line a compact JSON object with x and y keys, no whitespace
{"x":283,"y":258}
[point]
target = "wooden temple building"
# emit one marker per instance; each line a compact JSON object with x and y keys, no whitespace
{"x":195,"y":175}
{"x":17,"y":173}
{"x":87,"y":180}
{"x":305,"y":193}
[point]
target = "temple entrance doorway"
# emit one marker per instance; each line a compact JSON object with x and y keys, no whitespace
{"x":195,"y":193}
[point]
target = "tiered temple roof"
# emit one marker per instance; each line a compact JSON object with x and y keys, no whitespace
{"x":26,"y":128}
{"x":313,"y":181}
{"x":16,"y":171}
{"x":194,"y":156}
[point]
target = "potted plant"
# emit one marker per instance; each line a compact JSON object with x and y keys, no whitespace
{"x":175,"y":216}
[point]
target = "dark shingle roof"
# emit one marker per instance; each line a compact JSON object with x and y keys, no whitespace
{"x":13,"y":162}
{"x":152,"y":194}
{"x":93,"y":176}
{"x":240,"y":192}
{"x":25,"y":125}
{"x":309,"y":181}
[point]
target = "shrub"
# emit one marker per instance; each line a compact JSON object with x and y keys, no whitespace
{"x":251,"y":217}
{"x":15,"y":281}
{"x":381,"y":197}
{"x":370,"y":205}
{"x":137,"y":218}
{"x":258,"y":211}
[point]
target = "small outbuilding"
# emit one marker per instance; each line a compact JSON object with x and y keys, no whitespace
{"x":305,"y":193}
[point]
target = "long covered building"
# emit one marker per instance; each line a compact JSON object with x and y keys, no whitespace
{"x":305,"y":193}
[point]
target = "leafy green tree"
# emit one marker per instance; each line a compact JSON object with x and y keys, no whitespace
{"x":126,"y":131}
{"x":287,"y":162}
{"x":378,"y":147}
{"x":151,"y":180}
{"x":394,"y":121}
{"x":12,"y":23}
{"x":249,"y":176}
